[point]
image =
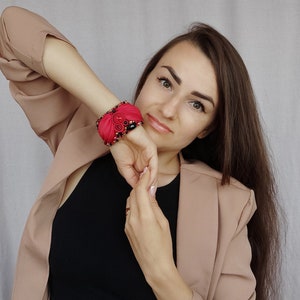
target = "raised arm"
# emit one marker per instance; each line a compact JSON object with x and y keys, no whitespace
{"x":65,"y":66}
{"x":56,"y":60}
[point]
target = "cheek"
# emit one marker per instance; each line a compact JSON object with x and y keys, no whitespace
{"x":144,"y":98}
{"x":139,"y":102}
{"x":192,"y":127}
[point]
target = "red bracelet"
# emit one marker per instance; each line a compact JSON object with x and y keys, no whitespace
{"x":118,"y":121}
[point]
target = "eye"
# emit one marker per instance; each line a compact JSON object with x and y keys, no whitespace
{"x":165,"y":82}
{"x":197,"y":105}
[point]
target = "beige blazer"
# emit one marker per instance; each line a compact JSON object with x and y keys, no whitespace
{"x":213,"y":251}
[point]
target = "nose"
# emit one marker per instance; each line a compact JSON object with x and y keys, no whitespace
{"x":169,"y":108}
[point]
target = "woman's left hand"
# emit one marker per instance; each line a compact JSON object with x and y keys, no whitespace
{"x":149,"y":235}
{"x":148,"y":230}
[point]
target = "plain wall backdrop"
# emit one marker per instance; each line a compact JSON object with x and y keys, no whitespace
{"x":117,"y":38}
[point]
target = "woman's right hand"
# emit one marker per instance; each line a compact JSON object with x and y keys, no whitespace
{"x":133,"y":153}
{"x":65,"y":66}
{"x":62,"y":63}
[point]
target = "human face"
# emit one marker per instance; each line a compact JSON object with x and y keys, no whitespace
{"x":179,"y":98}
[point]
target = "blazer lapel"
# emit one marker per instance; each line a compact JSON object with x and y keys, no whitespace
{"x":76,"y":149}
{"x":197,"y":227}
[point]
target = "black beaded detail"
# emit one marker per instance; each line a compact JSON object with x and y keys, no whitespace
{"x":131,"y":126}
{"x":121,"y":125}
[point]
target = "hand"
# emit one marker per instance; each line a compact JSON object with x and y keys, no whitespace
{"x":133,"y":153}
{"x":149,"y":235}
{"x":148,"y":230}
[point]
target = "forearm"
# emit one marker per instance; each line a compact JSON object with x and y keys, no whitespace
{"x":64,"y":65}
{"x":169,"y":284}
{"x":29,"y":39}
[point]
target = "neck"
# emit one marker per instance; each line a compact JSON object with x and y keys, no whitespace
{"x":168,"y":167}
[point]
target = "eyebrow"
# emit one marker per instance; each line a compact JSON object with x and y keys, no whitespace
{"x":195,"y":93}
{"x":173,"y":73}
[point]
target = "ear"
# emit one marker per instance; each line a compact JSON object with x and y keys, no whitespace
{"x":203,"y":133}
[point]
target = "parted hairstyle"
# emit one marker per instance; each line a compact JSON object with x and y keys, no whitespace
{"x":236,"y":147}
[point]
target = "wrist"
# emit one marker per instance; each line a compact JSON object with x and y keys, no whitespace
{"x":118,"y":121}
{"x":168,"y":284}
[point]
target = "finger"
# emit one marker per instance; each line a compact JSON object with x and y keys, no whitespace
{"x":132,"y":199}
{"x":153,"y":168}
{"x":127,"y":210}
{"x":151,"y":160}
{"x":130,"y":175}
{"x":131,"y":202}
{"x":128,"y":207}
{"x":147,"y":149}
{"x":158,"y":212}
{"x":142,"y":195}
{"x":124,"y":159}
{"x":144,"y":179}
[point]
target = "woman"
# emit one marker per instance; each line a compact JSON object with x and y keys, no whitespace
{"x":187,"y":240}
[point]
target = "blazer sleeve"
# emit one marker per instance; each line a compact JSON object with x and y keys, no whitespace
{"x":47,"y":106}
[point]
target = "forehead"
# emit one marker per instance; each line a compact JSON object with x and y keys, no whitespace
{"x":192,"y":66}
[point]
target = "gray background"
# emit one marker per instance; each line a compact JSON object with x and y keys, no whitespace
{"x":116,"y":38}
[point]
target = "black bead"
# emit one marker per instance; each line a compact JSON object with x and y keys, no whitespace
{"x":131,"y":126}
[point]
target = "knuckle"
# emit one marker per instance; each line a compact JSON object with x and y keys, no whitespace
{"x":165,"y":224}
{"x":130,"y":224}
{"x":147,"y":219}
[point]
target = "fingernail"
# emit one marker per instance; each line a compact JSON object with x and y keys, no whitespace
{"x":152,"y":190}
{"x":144,"y":171}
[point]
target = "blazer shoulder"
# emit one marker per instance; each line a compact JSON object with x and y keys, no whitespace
{"x":236,"y":202}
{"x":200,"y":168}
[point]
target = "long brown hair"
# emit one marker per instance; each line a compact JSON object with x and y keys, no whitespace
{"x":236,"y":148}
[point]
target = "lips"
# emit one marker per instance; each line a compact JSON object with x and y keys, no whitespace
{"x":158,"y":126}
